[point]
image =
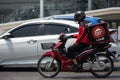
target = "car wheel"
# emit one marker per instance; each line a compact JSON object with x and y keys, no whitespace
{"x":1,"y":67}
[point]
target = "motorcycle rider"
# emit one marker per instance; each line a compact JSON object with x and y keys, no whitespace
{"x":82,"y":38}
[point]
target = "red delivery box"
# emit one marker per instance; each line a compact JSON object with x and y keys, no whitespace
{"x":99,"y":33}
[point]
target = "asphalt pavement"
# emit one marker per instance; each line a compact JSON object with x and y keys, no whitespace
{"x":117,"y":65}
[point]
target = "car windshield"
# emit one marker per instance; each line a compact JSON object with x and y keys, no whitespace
{"x":88,"y":19}
{"x":64,"y":17}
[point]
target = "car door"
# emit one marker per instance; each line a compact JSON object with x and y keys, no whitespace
{"x":51,"y":33}
{"x":22,"y":45}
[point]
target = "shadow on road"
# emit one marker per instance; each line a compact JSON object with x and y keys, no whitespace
{"x":61,"y":76}
{"x":18,"y":69}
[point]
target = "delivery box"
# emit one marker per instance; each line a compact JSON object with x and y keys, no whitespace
{"x":99,"y":33}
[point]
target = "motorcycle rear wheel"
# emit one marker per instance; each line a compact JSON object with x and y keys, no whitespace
{"x":102,"y":67}
{"x":48,"y":67}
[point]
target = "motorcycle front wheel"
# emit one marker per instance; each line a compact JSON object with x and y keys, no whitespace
{"x":48,"y":67}
{"x":102,"y":66}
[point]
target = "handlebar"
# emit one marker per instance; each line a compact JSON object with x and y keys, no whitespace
{"x":63,"y":37}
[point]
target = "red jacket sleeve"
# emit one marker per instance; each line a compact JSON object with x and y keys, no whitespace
{"x":81,"y":37}
{"x":81,"y":32}
{"x":76,"y":35}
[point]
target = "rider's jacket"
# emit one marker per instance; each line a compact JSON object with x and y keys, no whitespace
{"x":82,"y":36}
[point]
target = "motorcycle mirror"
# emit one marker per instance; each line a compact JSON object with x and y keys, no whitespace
{"x":67,"y":29}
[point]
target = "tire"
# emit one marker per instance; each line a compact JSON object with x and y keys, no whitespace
{"x":47,"y":70}
{"x":1,"y":67}
{"x":105,"y":67}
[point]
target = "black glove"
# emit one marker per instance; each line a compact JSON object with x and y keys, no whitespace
{"x":71,"y":36}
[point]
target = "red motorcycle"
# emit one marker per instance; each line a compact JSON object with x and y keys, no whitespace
{"x":94,"y":59}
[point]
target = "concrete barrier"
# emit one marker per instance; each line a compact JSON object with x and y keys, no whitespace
{"x":9,"y":25}
{"x":5,"y":26}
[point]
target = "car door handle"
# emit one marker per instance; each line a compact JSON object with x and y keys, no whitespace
{"x":31,"y":41}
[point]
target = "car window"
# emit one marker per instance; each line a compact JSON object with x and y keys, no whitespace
{"x":50,"y":29}
{"x":73,"y":29}
{"x":26,"y":30}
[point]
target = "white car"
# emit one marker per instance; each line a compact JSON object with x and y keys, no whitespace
{"x":21,"y":46}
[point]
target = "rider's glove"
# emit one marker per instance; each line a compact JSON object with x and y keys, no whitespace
{"x":71,"y":36}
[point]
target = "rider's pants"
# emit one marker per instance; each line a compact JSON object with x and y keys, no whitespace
{"x":76,"y":48}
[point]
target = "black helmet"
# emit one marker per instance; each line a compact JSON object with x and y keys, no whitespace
{"x":79,"y":16}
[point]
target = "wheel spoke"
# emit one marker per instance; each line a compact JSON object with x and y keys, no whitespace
{"x":48,"y":67}
{"x":102,"y":66}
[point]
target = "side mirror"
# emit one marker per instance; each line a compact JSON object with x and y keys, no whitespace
{"x":6,"y":36}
